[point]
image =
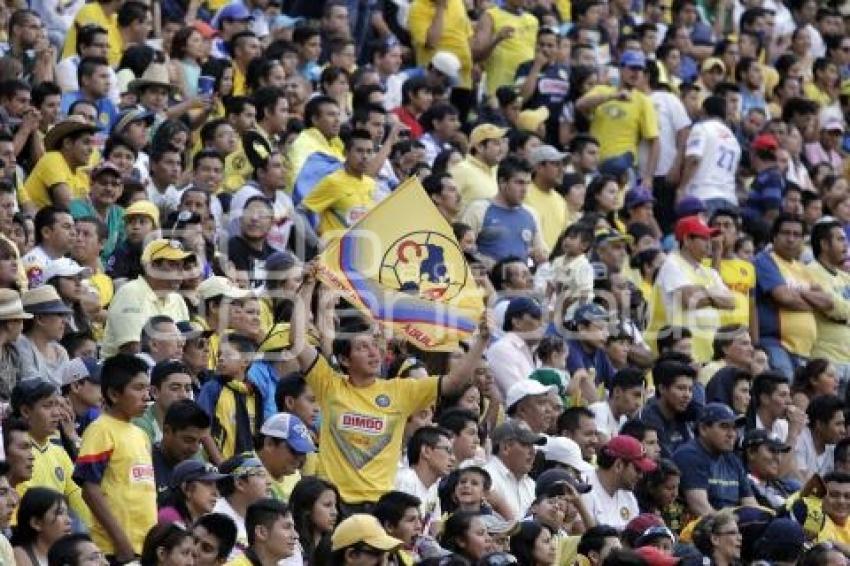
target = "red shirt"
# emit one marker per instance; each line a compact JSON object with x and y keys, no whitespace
{"x":409,"y":120}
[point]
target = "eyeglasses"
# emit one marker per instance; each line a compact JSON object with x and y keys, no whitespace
{"x":449,"y":450}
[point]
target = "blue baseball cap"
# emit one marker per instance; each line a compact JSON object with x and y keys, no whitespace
{"x":232,"y":13}
{"x":717,"y":413}
{"x":637,"y":197}
{"x":590,"y":312}
{"x":633,"y":59}
{"x":290,"y":428}
{"x":523,"y":305}
{"x":689,"y":206}
{"x":194,"y":470}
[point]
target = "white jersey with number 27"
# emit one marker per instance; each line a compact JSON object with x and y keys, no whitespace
{"x":718,"y":152}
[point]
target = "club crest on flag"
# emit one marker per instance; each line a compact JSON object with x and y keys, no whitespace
{"x":402,"y":266}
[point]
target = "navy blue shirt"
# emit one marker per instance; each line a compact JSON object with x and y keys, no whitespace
{"x":721,"y":475}
{"x":553,"y":82}
{"x":672,"y":433}
{"x":579,"y":358}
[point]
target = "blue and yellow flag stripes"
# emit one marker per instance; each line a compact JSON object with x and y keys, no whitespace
{"x":402,"y":266}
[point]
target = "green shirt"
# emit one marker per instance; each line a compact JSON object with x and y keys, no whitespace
{"x":147,"y":422}
{"x":81,"y":208}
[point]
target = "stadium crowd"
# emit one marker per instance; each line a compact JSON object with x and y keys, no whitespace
{"x":651,"y":199}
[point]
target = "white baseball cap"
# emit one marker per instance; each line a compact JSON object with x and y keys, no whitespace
{"x":448,"y":64}
{"x":525,"y":388}
{"x":65,"y":267}
{"x":565,"y":451}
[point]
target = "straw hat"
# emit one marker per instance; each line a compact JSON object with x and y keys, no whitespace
{"x":155,"y":75}
{"x":67,"y":127}
{"x":44,"y":300}
{"x":11,"y":307}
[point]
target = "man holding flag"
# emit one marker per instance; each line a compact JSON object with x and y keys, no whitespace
{"x":411,"y":279}
{"x":363,"y":415}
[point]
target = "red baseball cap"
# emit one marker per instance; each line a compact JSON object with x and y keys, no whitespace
{"x":657,"y":557}
{"x":631,"y":450}
{"x":765,"y":142}
{"x":694,"y":226}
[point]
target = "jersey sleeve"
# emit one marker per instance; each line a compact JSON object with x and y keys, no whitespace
{"x":73,"y":492}
{"x":695,"y":146}
{"x":320,"y":377}
{"x":768,"y":277}
{"x":95,"y":453}
{"x":648,"y":120}
{"x":418,"y":394}
{"x":322,"y":197}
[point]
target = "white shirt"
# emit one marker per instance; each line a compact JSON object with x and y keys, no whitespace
{"x":518,"y":493}
{"x":222,"y":506}
{"x":672,"y":117}
{"x":718,"y":152}
{"x":35,"y":262}
{"x":779,"y":430}
{"x":808,"y":460}
{"x":408,"y":481}
{"x":510,"y":360}
{"x":604,"y":417}
{"x":676,"y":273}
{"x":66,"y":78}
{"x":616,"y":510}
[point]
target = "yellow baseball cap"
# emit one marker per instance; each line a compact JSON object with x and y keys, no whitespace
{"x":712,"y":62}
{"x":163,"y":249}
{"x":362,"y":528}
{"x":143,"y":208}
{"x":218,"y":286}
{"x":530,"y":120}
{"x":486,"y":132}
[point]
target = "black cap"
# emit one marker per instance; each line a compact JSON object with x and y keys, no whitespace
{"x":555,"y":482}
{"x":758,"y":437}
{"x":30,"y":392}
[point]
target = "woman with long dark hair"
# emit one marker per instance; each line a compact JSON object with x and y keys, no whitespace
{"x":657,"y":493}
{"x":42,"y":520}
{"x":168,"y":544}
{"x":533,"y":545}
{"x":66,"y":276}
{"x":602,"y":197}
{"x":315,"y":510}
{"x":187,"y":53}
{"x":192,"y":494}
{"x":817,"y":377}
{"x":464,"y":533}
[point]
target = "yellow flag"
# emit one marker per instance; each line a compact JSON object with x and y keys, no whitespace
{"x":402,"y":266}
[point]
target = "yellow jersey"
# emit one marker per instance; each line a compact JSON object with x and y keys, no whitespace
{"x":51,"y":170}
{"x":740,"y":276}
{"x":832,"y":532}
{"x":92,"y":13}
{"x":457,"y":32}
{"x":53,"y":468}
{"x":833,"y":329}
{"x":116,"y":455}
{"x":363,"y":428}
{"x":475,"y":179}
{"x":551,"y":210}
{"x":340,"y":200}
{"x":620,"y":125}
{"x":503,"y":61}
